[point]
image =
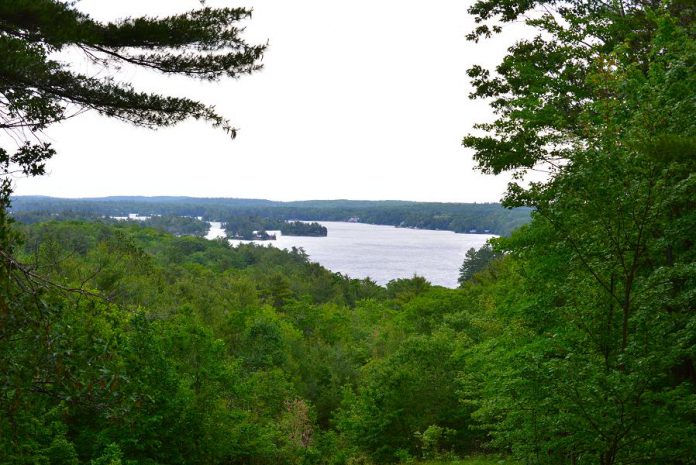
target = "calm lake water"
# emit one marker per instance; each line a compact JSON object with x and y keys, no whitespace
{"x":382,"y":253}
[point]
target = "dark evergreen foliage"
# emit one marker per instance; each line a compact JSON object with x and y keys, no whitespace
{"x":476,"y":261}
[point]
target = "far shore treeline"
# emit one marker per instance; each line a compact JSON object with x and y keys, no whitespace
{"x":458,"y":217}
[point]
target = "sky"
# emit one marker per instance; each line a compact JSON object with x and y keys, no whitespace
{"x":357,"y":100}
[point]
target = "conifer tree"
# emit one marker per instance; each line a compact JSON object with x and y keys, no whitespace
{"x":37,"y":89}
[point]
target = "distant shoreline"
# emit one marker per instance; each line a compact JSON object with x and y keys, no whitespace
{"x":461,"y":218}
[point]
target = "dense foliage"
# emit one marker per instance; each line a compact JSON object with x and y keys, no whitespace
{"x":593,"y":360}
{"x":139,"y":346}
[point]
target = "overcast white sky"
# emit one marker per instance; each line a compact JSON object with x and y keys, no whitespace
{"x":359,"y":100}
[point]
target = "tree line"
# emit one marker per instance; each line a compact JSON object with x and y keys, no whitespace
{"x":178,"y":225}
{"x":490,"y":218}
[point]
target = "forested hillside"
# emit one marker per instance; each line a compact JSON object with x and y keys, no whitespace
{"x":146,"y":347}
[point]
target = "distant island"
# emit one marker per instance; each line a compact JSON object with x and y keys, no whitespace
{"x":249,"y":228}
{"x":256,"y":228}
{"x":241,"y":217}
{"x":299,"y":228}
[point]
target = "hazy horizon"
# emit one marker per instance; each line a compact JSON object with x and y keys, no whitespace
{"x":89,"y":197}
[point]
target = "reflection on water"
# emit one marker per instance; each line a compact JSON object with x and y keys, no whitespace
{"x":382,"y":253}
{"x":215,"y":230}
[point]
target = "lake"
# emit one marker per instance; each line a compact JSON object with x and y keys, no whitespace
{"x":382,"y":253}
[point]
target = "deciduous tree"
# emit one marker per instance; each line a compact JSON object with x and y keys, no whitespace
{"x":598,"y":350}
